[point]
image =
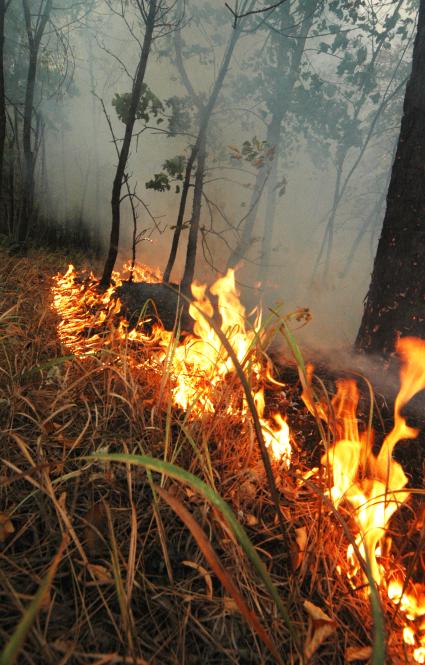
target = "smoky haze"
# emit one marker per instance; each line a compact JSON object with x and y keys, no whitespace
{"x":339,"y":128}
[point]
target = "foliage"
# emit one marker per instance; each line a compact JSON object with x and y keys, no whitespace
{"x":173,"y":171}
{"x":255,"y":152}
{"x":180,"y":120}
{"x":149,"y":106}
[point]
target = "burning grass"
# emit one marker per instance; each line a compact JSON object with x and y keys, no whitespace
{"x":127,"y":580}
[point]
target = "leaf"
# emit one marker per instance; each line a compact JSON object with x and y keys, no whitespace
{"x":205,"y":574}
{"x":299,"y":550}
{"x":320,"y":627}
{"x":6,"y":527}
{"x":100,"y":574}
{"x":357,"y":653}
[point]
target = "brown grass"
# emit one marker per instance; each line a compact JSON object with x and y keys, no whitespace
{"x":133,"y":585}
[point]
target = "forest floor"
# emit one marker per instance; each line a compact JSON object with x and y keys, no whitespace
{"x":128,"y":581}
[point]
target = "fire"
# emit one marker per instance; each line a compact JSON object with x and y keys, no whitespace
{"x":374,"y":484}
{"x":276,"y":432}
{"x":201,"y":373}
{"x":199,"y":367}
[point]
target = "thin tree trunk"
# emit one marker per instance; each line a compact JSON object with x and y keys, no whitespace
{"x":34,"y":40}
{"x":395,"y":304}
{"x":189,"y":269}
{"x":266,"y":245}
{"x":201,"y":140}
{"x":180,"y":216}
{"x":28,"y":193}
{"x":269,"y":177}
{"x":340,"y":185}
{"x":125,"y":148}
{"x":247,"y":230}
{"x":3,"y":8}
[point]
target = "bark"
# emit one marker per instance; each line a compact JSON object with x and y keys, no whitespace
{"x":125,"y":148}
{"x":395,"y":303}
{"x":34,"y":41}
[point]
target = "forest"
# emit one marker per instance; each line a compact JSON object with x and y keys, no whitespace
{"x":212,"y":332}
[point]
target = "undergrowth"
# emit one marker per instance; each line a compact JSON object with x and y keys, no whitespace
{"x":131,"y":533}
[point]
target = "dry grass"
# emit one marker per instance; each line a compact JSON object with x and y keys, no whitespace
{"x":132,"y":585}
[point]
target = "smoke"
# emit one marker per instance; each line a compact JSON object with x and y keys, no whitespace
{"x":81,"y":158}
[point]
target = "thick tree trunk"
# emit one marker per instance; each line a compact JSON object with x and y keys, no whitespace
{"x":125,"y":148}
{"x":395,"y":304}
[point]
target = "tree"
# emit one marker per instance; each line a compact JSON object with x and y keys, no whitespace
{"x":3,"y":8}
{"x":198,"y":153}
{"x":34,"y":35}
{"x":395,"y":303}
{"x":150,"y":19}
{"x":332,"y":99}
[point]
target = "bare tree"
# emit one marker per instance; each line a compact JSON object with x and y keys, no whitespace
{"x":35,"y":25}
{"x":198,"y":153}
{"x":3,"y":9}
{"x":154,"y":17}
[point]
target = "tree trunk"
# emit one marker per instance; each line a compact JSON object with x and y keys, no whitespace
{"x":201,"y":140}
{"x":34,"y":40}
{"x":28,"y":193}
{"x":245,"y":241}
{"x":125,"y":148}
{"x":180,"y":216}
{"x":266,"y":245}
{"x":281,"y":108}
{"x":189,"y":269}
{"x":395,"y":304}
{"x":2,"y":98}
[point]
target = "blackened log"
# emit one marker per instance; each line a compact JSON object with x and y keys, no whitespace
{"x":157,"y":302}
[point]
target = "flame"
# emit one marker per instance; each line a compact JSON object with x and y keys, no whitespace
{"x":373,"y":484}
{"x":201,"y":372}
{"x":275,"y":431}
{"x":200,"y":366}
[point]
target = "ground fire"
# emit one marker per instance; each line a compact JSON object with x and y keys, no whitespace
{"x":198,"y":367}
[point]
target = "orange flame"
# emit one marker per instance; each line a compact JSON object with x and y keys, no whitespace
{"x":199,"y":366}
{"x":373,"y":484}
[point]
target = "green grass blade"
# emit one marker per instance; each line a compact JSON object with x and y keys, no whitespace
{"x":15,"y":643}
{"x":208,"y":493}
